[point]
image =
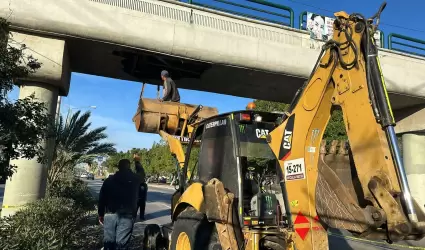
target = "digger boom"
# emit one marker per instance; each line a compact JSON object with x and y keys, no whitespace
{"x":376,"y":201}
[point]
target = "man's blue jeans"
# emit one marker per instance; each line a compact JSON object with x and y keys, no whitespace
{"x":117,"y":230}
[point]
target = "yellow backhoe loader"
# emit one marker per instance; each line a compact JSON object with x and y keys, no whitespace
{"x":262,"y":180}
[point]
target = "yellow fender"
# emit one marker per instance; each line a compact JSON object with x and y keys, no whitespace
{"x":193,"y":196}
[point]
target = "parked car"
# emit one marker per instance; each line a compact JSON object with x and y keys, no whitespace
{"x":84,"y":175}
{"x":90,"y":176}
{"x":162,"y":179}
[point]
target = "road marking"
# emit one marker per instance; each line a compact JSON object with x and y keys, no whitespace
{"x":375,"y":242}
{"x":158,"y":203}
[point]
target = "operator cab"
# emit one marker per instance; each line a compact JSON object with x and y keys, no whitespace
{"x":234,"y":149}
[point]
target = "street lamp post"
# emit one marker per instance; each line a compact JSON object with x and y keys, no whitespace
{"x":69,"y":109}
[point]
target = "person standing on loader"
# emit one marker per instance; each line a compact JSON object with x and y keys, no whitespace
{"x":143,"y":186}
{"x":171,"y":93}
{"x":117,"y":206}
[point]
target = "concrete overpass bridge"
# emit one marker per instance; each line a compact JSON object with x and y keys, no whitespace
{"x":204,"y":49}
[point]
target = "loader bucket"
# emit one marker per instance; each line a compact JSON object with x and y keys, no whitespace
{"x":153,"y":116}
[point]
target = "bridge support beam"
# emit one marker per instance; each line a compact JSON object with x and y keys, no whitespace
{"x":411,"y":127}
{"x":29,"y":181}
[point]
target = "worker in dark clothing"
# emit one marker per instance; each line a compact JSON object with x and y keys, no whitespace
{"x":171,"y":93}
{"x":140,"y":171}
{"x":117,"y":206}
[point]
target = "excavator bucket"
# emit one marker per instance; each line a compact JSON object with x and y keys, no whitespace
{"x":171,"y":117}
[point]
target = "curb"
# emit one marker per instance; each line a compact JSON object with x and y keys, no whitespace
{"x":166,"y":186}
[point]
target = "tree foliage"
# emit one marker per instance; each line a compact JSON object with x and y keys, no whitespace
{"x":49,"y":223}
{"x":27,"y":122}
{"x":76,"y":143}
{"x":156,"y":161}
{"x":334,"y":131}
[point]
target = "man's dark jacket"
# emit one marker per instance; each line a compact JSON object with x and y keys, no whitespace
{"x":119,"y":194}
{"x":172,"y":93}
{"x":140,"y":171}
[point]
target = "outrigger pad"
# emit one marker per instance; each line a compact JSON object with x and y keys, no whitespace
{"x":153,"y":115}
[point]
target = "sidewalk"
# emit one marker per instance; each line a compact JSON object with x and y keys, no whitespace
{"x":161,"y":185}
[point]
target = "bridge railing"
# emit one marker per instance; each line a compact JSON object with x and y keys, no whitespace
{"x":284,"y":15}
{"x":281,"y":14}
{"x":401,"y":43}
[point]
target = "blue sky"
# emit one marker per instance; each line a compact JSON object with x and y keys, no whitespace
{"x":116,"y":100}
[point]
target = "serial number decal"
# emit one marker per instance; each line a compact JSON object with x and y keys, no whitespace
{"x":294,"y":169}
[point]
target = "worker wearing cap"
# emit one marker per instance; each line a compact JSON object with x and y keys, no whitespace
{"x":171,"y":92}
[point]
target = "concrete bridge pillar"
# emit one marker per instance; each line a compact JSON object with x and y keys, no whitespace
{"x":29,"y":181}
{"x":411,"y":127}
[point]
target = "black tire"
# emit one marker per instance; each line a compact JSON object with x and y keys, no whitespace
{"x":153,"y":239}
{"x":201,"y":233}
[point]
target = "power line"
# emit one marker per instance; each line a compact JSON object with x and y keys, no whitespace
{"x":330,"y":11}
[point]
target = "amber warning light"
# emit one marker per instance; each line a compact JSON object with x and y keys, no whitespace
{"x":250,"y":106}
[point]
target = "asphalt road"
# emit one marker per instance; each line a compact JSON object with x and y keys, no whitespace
{"x":158,"y":212}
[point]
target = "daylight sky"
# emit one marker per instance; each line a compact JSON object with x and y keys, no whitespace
{"x":116,"y":100}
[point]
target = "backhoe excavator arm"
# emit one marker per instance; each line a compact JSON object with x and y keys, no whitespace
{"x":176,"y":149}
{"x":346,"y":75}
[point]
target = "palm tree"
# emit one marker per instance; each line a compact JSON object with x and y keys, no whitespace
{"x":75,"y":143}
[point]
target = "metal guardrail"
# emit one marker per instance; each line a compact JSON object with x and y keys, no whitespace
{"x":284,"y":14}
{"x":394,"y":41}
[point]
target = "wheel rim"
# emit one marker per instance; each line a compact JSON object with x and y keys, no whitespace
{"x":183,"y":242}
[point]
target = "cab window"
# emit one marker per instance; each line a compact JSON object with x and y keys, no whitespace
{"x":193,"y":158}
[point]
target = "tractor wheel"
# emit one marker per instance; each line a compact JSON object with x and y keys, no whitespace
{"x":153,"y":239}
{"x":192,"y":231}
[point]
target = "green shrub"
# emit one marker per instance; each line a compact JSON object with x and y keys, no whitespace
{"x":74,"y":189}
{"x":50,"y":223}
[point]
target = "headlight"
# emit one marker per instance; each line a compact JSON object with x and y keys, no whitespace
{"x":258,"y":118}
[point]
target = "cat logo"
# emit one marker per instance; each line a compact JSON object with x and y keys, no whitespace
{"x":287,"y":139}
{"x":261,"y":133}
{"x":286,"y":146}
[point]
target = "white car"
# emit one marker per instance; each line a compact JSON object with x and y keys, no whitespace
{"x":83,"y":175}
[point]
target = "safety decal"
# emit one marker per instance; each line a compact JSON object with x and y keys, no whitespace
{"x":300,"y":219}
{"x":294,"y":169}
{"x":294,"y":203}
{"x":316,"y":220}
{"x":285,"y":149}
{"x":302,"y":231}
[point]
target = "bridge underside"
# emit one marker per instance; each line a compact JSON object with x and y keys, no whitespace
{"x":119,"y":62}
